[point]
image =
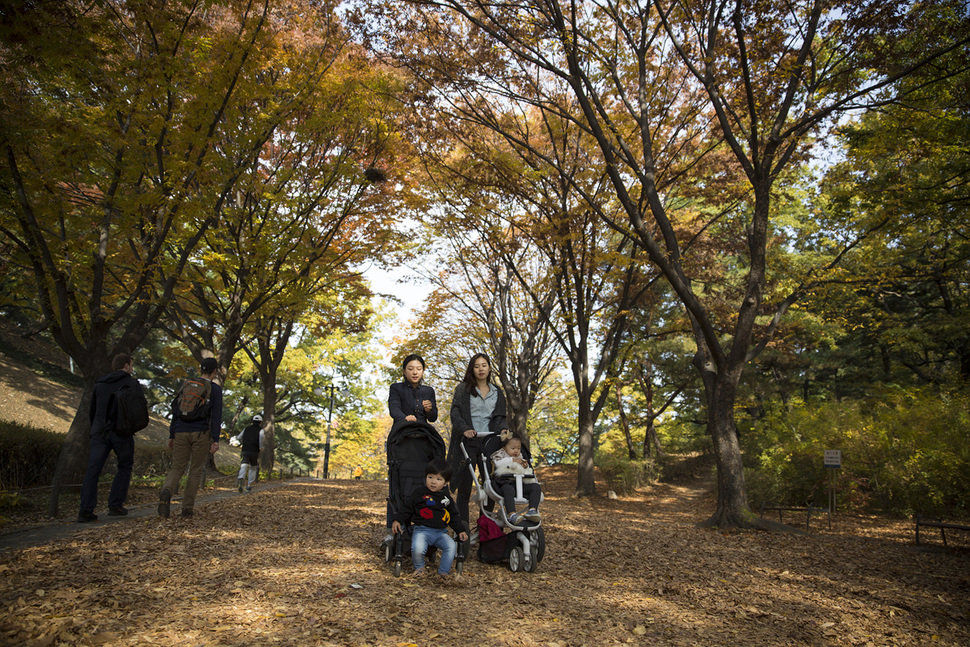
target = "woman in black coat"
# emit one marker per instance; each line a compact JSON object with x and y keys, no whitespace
{"x":477,"y":410}
{"x":411,"y":399}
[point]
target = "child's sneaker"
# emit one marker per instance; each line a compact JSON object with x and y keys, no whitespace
{"x":239,"y":487}
{"x":532,"y":515}
{"x":515,"y":518}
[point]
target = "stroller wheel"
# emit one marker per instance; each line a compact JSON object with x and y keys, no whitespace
{"x":459,"y":567}
{"x":387,"y":548}
{"x":397,"y":568}
{"x":516,"y":559}
{"x":531,"y":560}
{"x":539,"y":542}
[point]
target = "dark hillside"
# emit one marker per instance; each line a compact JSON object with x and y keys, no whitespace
{"x":37,"y":386}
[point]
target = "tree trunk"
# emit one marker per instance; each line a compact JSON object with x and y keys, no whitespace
{"x":625,"y":423}
{"x":586,"y":481}
{"x":72,"y":461}
{"x":650,"y":438}
{"x":267,"y":457}
{"x":732,"y":497}
{"x":518,"y":422}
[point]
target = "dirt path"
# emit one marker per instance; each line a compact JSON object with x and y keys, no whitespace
{"x":299,"y":565}
{"x":39,"y":533}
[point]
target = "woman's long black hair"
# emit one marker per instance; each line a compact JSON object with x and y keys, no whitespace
{"x":471,"y":384}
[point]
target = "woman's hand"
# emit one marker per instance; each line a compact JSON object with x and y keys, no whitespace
{"x":427,"y":405}
{"x":470,"y":433}
{"x":396,"y":527}
{"x":410,"y":418}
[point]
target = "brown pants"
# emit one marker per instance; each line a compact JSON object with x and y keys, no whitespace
{"x":190,"y":447}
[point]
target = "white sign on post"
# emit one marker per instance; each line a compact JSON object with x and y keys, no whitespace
{"x":833,"y":458}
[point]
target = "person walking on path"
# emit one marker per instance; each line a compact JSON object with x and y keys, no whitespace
{"x":104,"y":440}
{"x":251,"y":439}
{"x":477,"y":410}
{"x":192,"y":435}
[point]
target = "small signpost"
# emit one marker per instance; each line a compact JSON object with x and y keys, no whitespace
{"x":833,"y":461}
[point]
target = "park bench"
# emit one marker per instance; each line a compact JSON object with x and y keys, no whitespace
{"x":807,"y":509}
{"x":937,"y":523}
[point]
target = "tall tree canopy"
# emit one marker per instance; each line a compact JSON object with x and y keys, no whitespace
{"x":127,"y":128}
{"x":698,"y":111}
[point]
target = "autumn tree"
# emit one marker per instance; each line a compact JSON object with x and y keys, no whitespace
{"x":331,"y":307}
{"x":314,"y":208}
{"x":321,"y":353}
{"x":588,"y":276}
{"x":661,"y":86}
{"x":316,"y":180}
{"x":479,"y":306}
{"x":901,"y":300}
{"x":119,"y":154}
{"x":652,"y":370}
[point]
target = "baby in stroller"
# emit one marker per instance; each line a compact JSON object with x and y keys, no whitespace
{"x":507,"y":461}
{"x":510,"y":482}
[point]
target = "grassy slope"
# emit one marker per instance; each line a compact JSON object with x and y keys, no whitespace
{"x":37,"y":388}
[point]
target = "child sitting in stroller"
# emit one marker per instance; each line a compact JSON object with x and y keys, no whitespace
{"x":506,"y":463}
{"x":431,"y":509}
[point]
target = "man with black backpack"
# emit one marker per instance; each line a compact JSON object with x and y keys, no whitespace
{"x":192,"y":435}
{"x":111,"y":432}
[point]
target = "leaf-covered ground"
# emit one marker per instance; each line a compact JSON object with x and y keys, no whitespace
{"x":299,"y":565}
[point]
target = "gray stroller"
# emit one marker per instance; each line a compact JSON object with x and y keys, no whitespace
{"x":524,"y":546}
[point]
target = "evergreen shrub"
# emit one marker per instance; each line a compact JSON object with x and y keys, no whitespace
{"x":28,"y":455}
{"x":905,"y":451}
{"x":624,"y":475}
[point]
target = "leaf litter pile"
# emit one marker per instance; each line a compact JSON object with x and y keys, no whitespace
{"x":300,"y":565}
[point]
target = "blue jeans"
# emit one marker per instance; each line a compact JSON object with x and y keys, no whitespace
{"x":101,"y":445}
{"x":422,"y":537}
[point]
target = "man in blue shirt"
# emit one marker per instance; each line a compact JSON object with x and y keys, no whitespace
{"x":192,"y":437}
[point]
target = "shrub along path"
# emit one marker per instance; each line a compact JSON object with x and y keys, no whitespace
{"x":299,"y":565}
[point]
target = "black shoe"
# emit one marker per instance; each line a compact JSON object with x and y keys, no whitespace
{"x":187,"y":513}
{"x":86,"y":517}
{"x":164,"y":503}
{"x":117,"y":511}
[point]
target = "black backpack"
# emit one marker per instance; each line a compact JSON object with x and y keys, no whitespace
{"x":193,"y":400}
{"x":131,"y":410}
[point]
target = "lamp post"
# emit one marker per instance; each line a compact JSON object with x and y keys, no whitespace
{"x":326,"y":447}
